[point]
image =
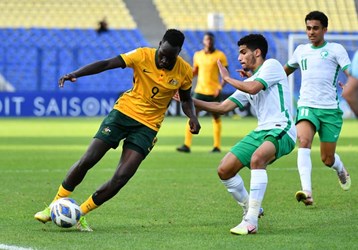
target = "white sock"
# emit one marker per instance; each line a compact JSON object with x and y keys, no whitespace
{"x":235,"y":186}
{"x":304,"y":165}
{"x":258,"y":186}
{"x":338,"y":164}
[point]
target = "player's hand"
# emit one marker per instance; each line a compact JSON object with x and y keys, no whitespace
{"x":176,"y":97}
{"x":244,"y":73}
{"x":67,"y":77}
{"x":341,"y":84}
{"x":223,"y":71}
{"x":194,"y":125}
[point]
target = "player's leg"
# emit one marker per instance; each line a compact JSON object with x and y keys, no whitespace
{"x":329,"y":133}
{"x":78,"y":171}
{"x":127,"y":167}
{"x":136,"y":147}
{"x":75,"y":175}
{"x":331,"y":159}
{"x":258,"y":183}
{"x":216,"y":132}
{"x":306,"y":128}
{"x":228,"y":170}
{"x":275,"y":144}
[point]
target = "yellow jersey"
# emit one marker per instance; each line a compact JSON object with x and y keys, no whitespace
{"x":153,"y":88}
{"x":208,"y":72}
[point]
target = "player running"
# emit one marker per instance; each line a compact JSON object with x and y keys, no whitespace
{"x":318,"y":107}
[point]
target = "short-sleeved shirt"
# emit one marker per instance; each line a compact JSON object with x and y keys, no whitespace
{"x":208,"y":72}
{"x":354,"y":66}
{"x":319,"y":71}
{"x":272,"y":104}
{"x":153,"y":88}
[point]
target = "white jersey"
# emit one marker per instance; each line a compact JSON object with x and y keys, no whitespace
{"x":272,"y":104}
{"x":319,"y":71}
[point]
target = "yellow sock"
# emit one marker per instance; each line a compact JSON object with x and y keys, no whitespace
{"x":217,"y":132}
{"x":88,"y":206}
{"x":188,"y":135}
{"x":61,"y":193}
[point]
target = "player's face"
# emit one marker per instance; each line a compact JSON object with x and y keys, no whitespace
{"x":315,"y":32}
{"x":247,"y":58}
{"x":167,"y":55}
{"x":208,"y":41}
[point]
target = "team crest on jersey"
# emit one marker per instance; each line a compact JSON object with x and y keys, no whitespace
{"x":173,"y":82}
{"x":324,"y":54}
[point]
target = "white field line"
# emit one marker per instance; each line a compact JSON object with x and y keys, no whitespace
{"x":11,"y":247}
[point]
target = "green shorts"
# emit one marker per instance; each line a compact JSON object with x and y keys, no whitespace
{"x":245,"y":148}
{"x":328,"y":122}
{"x":207,"y":98}
{"x":117,"y":126}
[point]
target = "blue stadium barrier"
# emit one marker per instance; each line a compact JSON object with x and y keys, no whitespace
{"x":33,"y":59}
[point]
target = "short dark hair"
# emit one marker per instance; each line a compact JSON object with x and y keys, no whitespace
{"x":211,"y":34}
{"x":255,"y":41}
{"x":174,"y":37}
{"x":318,"y":15}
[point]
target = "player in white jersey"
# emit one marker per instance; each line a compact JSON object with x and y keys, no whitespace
{"x":350,"y":89}
{"x":318,"y":107}
{"x":268,"y":93}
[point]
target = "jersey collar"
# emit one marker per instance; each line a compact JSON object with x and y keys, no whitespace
{"x":320,"y":46}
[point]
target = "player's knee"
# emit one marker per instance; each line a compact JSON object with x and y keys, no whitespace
{"x":304,"y":142}
{"x":224,"y":173}
{"x":327,"y":160}
{"x":257,"y":161}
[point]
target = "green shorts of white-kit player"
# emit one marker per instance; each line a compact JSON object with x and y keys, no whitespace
{"x":327,"y":122}
{"x":245,"y":148}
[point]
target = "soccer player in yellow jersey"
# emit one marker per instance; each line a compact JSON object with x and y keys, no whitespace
{"x":136,"y":116}
{"x":208,"y":87}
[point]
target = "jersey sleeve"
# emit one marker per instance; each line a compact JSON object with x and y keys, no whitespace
{"x":342,"y":57}
{"x":270,"y":73}
{"x":223,"y":59}
{"x":239,"y":98}
{"x":133,"y":57}
{"x":187,"y":79}
{"x":293,"y":62}
{"x":195,"y":60}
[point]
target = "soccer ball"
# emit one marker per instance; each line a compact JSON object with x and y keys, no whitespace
{"x":65,"y":212}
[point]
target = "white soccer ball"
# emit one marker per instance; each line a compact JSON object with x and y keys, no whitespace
{"x":65,"y":212}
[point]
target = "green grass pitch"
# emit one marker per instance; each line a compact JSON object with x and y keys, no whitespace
{"x":175,"y":200}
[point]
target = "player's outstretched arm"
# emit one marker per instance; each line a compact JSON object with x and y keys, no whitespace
{"x":93,"y":68}
{"x":215,"y":107}
{"x":189,"y":110}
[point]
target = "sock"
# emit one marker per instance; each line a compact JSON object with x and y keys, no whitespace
{"x":338,"y":164}
{"x":235,"y":186}
{"x":217,"y":132}
{"x":88,"y":206}
{"x":304,"y":165}
{"x":188,"y":136}
{"x":258,"y":186}
{"x":61,"y":193}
